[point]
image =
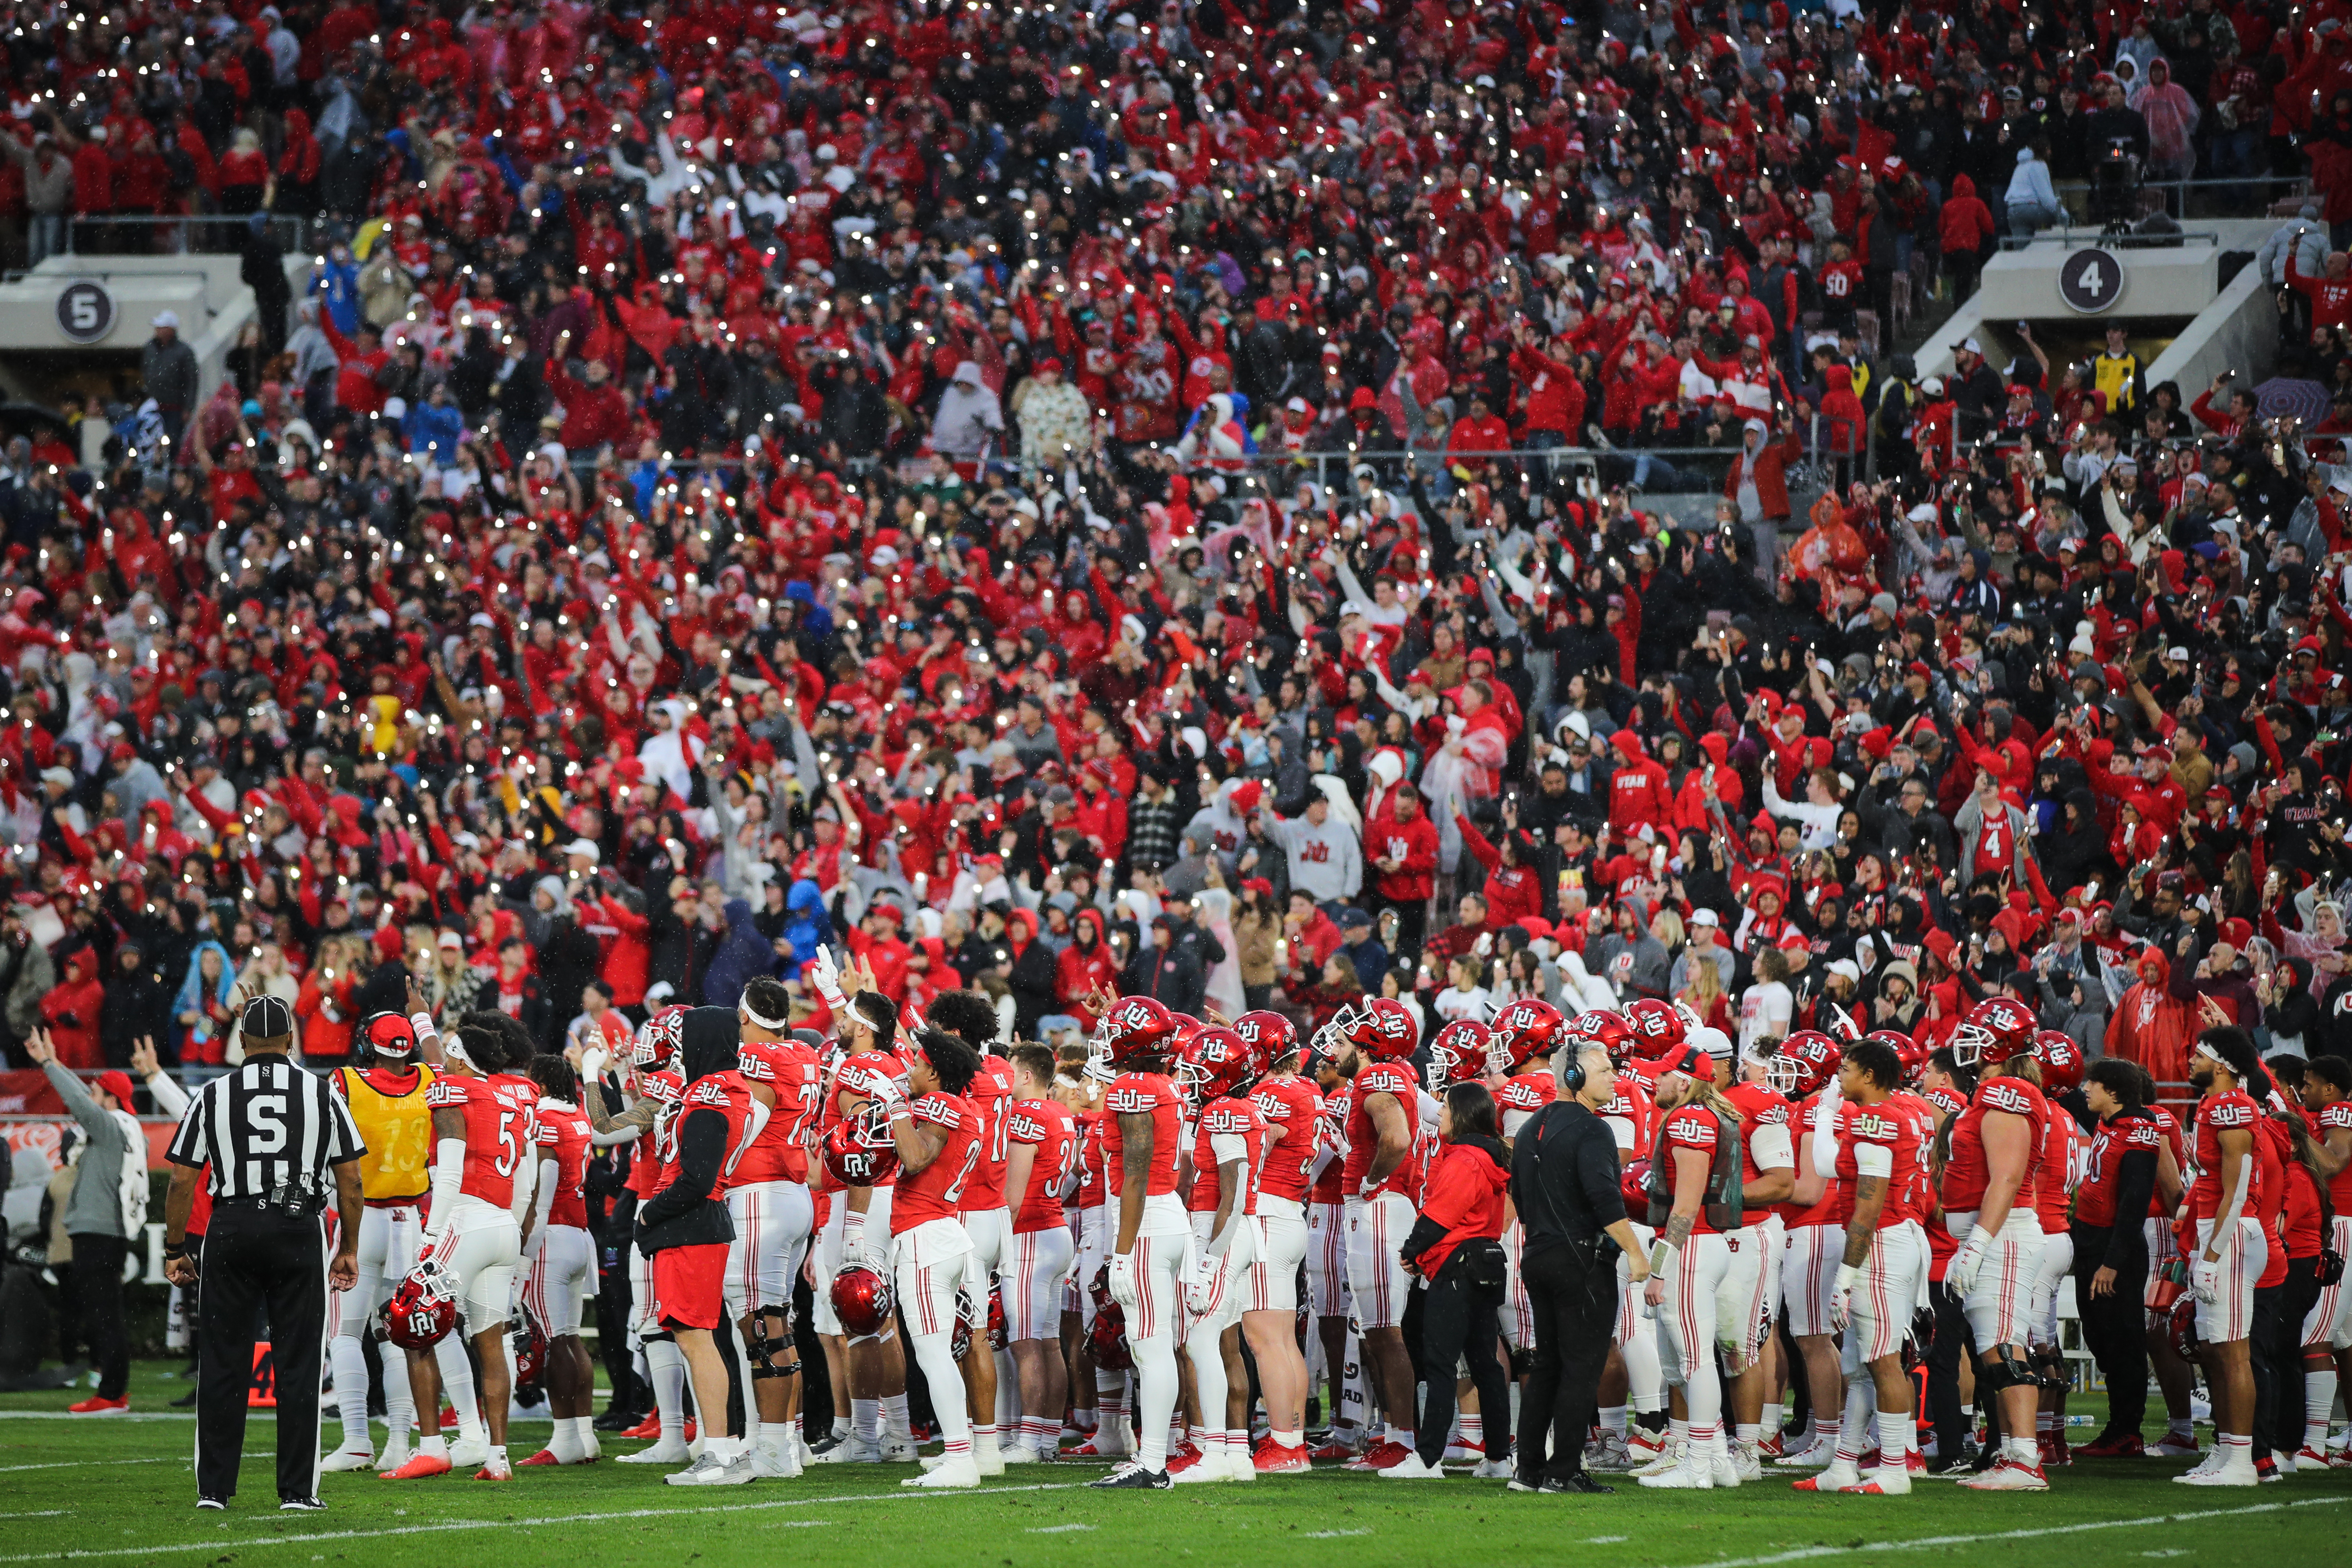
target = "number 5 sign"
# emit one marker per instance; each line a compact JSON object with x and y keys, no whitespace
{"x":2090,"y":281}
{"x":85,"y":310}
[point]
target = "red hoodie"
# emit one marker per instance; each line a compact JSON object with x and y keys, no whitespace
{"x":1082,"y":967}
{"x":1637,"y":791}
{"x":71,"y":1008}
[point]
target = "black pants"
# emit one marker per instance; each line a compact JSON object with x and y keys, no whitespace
{"x":259,"y":1262}
{"x":2262,"y":1350}
{"x":98,"y":1291}
{"x":1944,"y":1353}
{"x":1572,"y":1295}
{"x":2295,"y":1296}
{"x":1457,"y":1324}
{"x":2115,"y":1328}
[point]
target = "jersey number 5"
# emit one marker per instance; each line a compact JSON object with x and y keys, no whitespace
{"x":510,"y":1151}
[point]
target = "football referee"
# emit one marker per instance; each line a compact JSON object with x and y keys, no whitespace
{"x":271,"y":1132}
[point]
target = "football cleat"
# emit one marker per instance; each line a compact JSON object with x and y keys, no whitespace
{"x":1133,"y":1478}
{"x":2310,"y":1459}
{"x":959,"y":1473}
{"x":2220,"y":1476}
{"x":301,"y":1505}
{"x":2112,"y":1446}
{"x":1837,"y":1477}
{"x":1098,"y":1447}
{"x":1414,"y":1468}
{"x":1692,"y":1470}
{"x":1493,"y":1470}
{"x":1018,"y":1453}
{"x":671,"y":1451}
{"x":2172,"y":1447}
{"x":1666,"y":1458}
{"x":495,"y":1473}
{"x":467,"y":1451}
{"x":900,"y":1451}
{"x":1382,"y":1456}
{"x":711,"y":1470}
{"x":2053,"y":1450}
{"x":1770,"y":1447}
{"x":1724,"y":1464}
{"x":1272,"y":1460}
{"x":1196,"y":1470}
{"x":348,"y":1459}
{"x":1811,"y":1457}
{"x":646,"y":1430}
{"x":1745,"y":1463}
{"x":1887,"y":1480}
{"x":418,"y":1467}
{"x":1609,"y":1454}
{"x":98,"y":1404}
{"x":2008,"y":1475}
{"x":774,"y":1463}
{"x":544,"y":1457}
{"x":1330,"y":1451}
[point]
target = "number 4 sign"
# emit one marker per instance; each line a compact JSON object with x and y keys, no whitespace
{"x":2090,"y":281}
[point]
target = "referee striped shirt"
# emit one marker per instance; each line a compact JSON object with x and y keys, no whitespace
{"x":270,"y":1131}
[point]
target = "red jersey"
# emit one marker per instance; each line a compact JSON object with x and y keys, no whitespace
{"x":1691,"y":1127}
{"x":1331,"y":1129}
{"x":1364,"y":1141}
{"x":2273,"y":1152}
{"x":792,"y":1073}
{"x":2215,"y":1114}
{"x":2127,"y":1131}
{"x":1522,"y":1096}
{"x":564,"y":1138}
{"x":868,"y":1062}
{"x":501,"y":1123}
{"x":1759,"y":1106}
{"x":647,"y":1174}
{"x":1149,"y":1095}
{"x":937,"y":1191}
{"x":1632,"y":1114}
{"x":1230,"y":1128}
{"x":2060,"y":1141}
{"x":1047,"y":1126}
{"x":2339,"y":1185}
{"x":730,"y":1095}
{"x":1292,"y":1113}
{"x":1868,"y":1136}
{"x":1092,"y":1193}
{"x":1966,"y":1172}
{"x":1921,"y":1197}
{"x":990,"y":1094}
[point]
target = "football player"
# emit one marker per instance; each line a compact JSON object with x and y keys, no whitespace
{"x":1152,"y":1237}
{"x":1327,"y":1238}
{"x":1099,"y":1394}
{"x":937,"y":1132}
{"x":1379,"y":1181}
{"x":2230,"y":1250}
{"x":561,"y":1258}
{"x":2061,"y":1073}
{"x":1873,"y":1151}
{"x":2327,"y":1326}
{"x":1768,"y":1175}
{"x":1633,"y":1377}
{"x":1291,"y":1110}
{"x":1989,"y":1194}
{"x":1521,"y":1043}
{"x":1217,"y":1071}
{"x":1042,"y":1143}
{"x":768,"y":1201}
{"x":659,"y":1084}
{"x":386,"y":1098}
{"x":1804,"y":1068}
{"x":989,"y":1385}
{"x":484,"y":1127}
{"x":1696,"y":1200}
{"x":2119,"y":1176}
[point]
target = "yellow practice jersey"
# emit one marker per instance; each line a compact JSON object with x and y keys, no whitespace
{"x":396,"y":1127}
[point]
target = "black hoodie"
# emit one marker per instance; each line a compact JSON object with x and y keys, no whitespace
{"x":692,"y":1211}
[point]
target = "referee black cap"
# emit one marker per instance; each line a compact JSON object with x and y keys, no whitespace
{"x":267,"y":1018}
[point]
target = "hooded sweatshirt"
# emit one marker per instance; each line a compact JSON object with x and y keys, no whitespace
{"x":72,"y":1010}
{"x":1967,"y":223}
{"x":1462,"y":1199}
{"x":692,"y":1211}
{"x":1637,"y":790}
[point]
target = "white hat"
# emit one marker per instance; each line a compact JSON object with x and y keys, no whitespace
{"x":1849,"y":969}
{"x":584,"y":847}
{"x":1704,"y":917}
{"x":967,"y":370}
{"x":166,"y":318}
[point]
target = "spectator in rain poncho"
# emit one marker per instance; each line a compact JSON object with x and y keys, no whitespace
{"x":969,"y":419}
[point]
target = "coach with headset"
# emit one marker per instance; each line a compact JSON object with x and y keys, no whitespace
{"x":1565,"y":1185}
{"x":272,"y":1133}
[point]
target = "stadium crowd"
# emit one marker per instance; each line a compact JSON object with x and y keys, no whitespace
{"x":1070,"y":505}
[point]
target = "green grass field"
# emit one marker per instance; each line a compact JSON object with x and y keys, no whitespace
{"x":116,"y":1487}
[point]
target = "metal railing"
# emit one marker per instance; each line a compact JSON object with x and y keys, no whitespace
{"x":2110,"y":237}
{"x":2206,"y":196}
{"x":182,"y":234}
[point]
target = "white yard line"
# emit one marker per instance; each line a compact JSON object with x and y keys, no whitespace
{"x":86,"y":1464}
{"x":1809,"y":1553}
{"x":243,"y":1544}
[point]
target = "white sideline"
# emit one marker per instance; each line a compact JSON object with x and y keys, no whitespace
{"x":240,"y":1543}
{"x":1808,"y":1553}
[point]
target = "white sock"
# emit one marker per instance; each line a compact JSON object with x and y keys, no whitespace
{"x":840,"y":1428}
{"x":1678,"y":1431}
{"x":894,"y":1415}
{"x":497,"y":1460}
{"x":2318,"y":1404}
{"x":458,"y":1380}
{"x":2045,"y":1423}
{"x":1473,"y":1432}
{"x":869,"y":1413}
{"x":1747,"y":1433}
{"x":1612,"y":1422}
{"x":1771,"y":1418}
{"x":2021,"y":1450}
{"x":1895,"y":1438}
{"x":665,"y":1370}
{"x":349,"y":1355}
{"x":1287,"y":1440}
{"x":583,"y":1435}
{"x":2236,"y":1450}
{"x":437,"y":1446}
{"x":564,"y":1442}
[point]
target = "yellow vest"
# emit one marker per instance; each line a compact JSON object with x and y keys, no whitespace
{"x":2115,"y":378}
{"x":398,"y":1131}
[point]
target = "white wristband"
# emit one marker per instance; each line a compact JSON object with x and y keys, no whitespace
{"x":422,"y":1024}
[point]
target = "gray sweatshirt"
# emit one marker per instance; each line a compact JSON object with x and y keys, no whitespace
{"x":114,"y":1154}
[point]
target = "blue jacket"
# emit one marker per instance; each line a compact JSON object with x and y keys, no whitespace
{"x":743,"y":956}
{"x":808,"y":928}
{"x":435,"y":430}
{"x":338,"y":283}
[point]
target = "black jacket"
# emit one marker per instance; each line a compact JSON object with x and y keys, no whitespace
{"x":692,"y":1210}
{"x":1564,"y":1175}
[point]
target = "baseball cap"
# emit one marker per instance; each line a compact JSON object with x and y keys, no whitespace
{"x":584,"y":847}
{"x":267,"y":1018}
{"x":1705,"y":917}
{"x":116,"y":1083}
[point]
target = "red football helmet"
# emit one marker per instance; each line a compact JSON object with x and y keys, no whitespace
{"x":1634,"y":1186}
{"x":864,"y":1074}
{"x":1463,"y":1052}
{"x":1526,"y":1029}
{"x":1108,"y":1336}
{"x":2061,"y":1062}
{"x":658,"y":1041}
{"x":1136,"y":1028}
{"x":1806,"y":1061}
{"x":423,"y":1308}
{"x":389,"y":1034}
{"x":526,"y":1346}
{"x":1606,"y":1028}
{"x":1216,"y":1063}
{"x":1913,"y":1056}
{"x":858,"y":1151}
{"x":862,"y":1299}
{"x":1658,"y":1028}
{"x":996,"y":1330}
{"x":1995,"y":1029}
{"x":1271,"y":1035}
{"x":1381,"y":1029}
{"x":966,"y":1319}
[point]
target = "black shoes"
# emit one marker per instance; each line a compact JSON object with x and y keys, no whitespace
{"x":218,"y":1504}
{"x":616,"y":1420}
{"x":1579,"y":1482}
{"x":1133,"y":1478}
{"x":301,"y":1505}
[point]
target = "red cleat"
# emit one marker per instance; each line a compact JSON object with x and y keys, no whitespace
{"x":1770,"y":1448}
{"x":1330,"y":1451}
{"x":494,"y":1473}
{"x":2053,"y":1450}
{"x":98,"y":1404}
{"x":690,"y":1429}
{"x":646,"y":1430}
{"x":1272,"y":1460}
{"x":2113,"y":1446}
{"x":544,"y":1457}
{"x":1915,"y":1462}
{"x":420,"y":1466}
{"x":1380,"y":1456}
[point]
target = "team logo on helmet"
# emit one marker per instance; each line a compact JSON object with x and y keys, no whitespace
{"x":422,"y":1308}
{"x":1806,"y":1061}
{"x":2061,"y":1059}
{"x":1994,"y":1030}
{"x":1606,"y":1029}
{"x":863,"y":1300}
{"x":1657,"y":1028}
{"x":389,"y":1034}
{"x":1463,"y":1052}
{"x":1526,"y":1029}
{"x":858,"y":1151}
{"x":1271,"y":1035}
{"x":1216,"y":1063}
{"x":1382,"y":1029}
{"x":1134,"y":1029}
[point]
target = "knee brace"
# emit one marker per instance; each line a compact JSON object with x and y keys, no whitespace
{"x":766,"y":1342}
{"x":660,"y":1336}
{"x":1999,"y":1368}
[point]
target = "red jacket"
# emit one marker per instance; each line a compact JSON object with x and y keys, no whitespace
{"x":1464,"y":1196}
{"x":1413,"y":845}
{"x":1966,"y":224}
{"x":1637,"y":790}
{"x":1771,"y":467}
{"x":1513,"y":892}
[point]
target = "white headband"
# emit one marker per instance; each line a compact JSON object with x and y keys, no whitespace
{"x":775,"y":1025}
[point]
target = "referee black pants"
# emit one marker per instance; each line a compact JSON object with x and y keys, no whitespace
{"x":260,"y":1264}
{"x":1572,"y":1292}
